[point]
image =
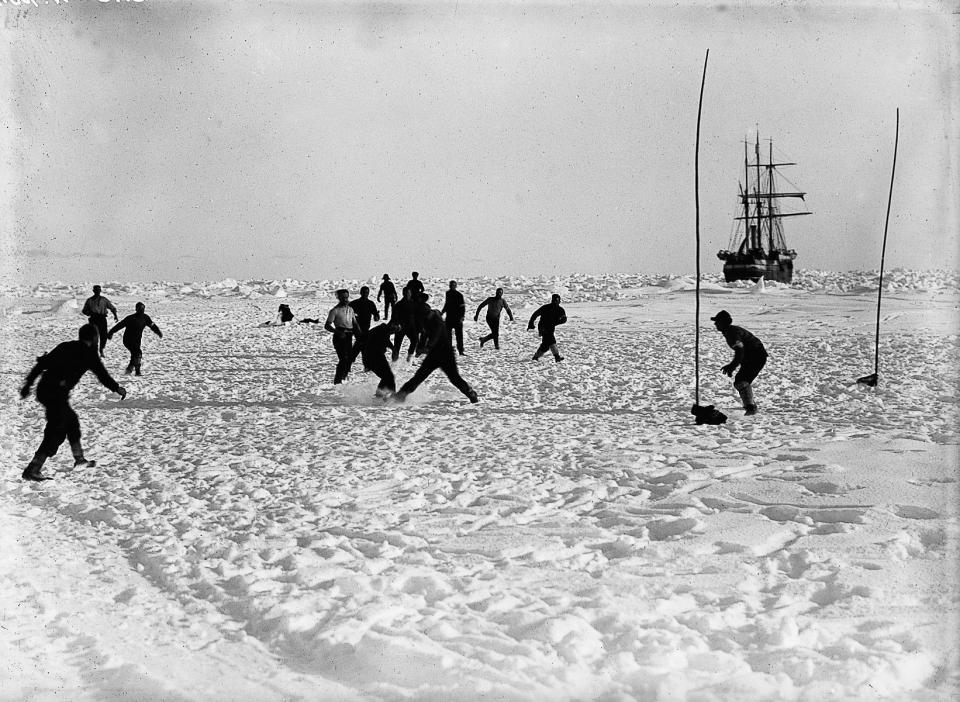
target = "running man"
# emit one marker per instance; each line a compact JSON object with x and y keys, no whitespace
{"x":454,"y":310}
{"x":551,"y":316}
{"x":748,"y":353}
{"x":403,"y":315}
{"x":96,"y":308}
{"x":342,"y":323}
{"x":389,"y":293}
{"x":366,"y":310}
{"x":133,"y":326}
{"x":59,"y":372}
{"x":439,"y":354}
{"x":495,"y":305}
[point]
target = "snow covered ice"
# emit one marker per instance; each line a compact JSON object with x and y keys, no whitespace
{"x":253,"y":532}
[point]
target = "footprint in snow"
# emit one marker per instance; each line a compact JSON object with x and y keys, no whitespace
{"x":913,"y":512}
{"x":826,"y":487}
{"x":928,"y":482}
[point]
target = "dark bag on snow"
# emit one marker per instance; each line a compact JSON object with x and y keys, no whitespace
{"x":708,"y":414}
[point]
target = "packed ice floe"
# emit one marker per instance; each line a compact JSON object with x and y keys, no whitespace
{"x":254,"y":532}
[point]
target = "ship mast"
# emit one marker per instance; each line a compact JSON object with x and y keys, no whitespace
{"x":758,"y":234}
{"x":745,"y":194}
{"x":770,"y":204}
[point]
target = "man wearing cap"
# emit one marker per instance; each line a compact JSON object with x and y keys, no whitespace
{"x":342,"y":323}
{"x":96,"y":308}
{"x":748,"y":353}
{"x":59,"y":371}
{"x":388,"y":291}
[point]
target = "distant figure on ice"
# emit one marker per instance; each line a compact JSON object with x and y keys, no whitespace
{"x":59,"y":371}
{"x":439,"y":354}
{"x":342,"y":323}
{"x":284,"y":317}
{"x":374,"y":356}
{"x":454,"y":310}
{"x":366,"y":311}
{"x":414,"y":285}
{"x":748,"y":353}
{"x":388,"y":291}
{"x":308,"y":320}
{"x":134,"y":324}
{"x":96,"y":308}
{"x":495,"y":305}
{"x":403,"y":315}
{"x":551,"y":316}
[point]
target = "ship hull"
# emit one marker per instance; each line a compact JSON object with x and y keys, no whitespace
{"x":779,"y":270}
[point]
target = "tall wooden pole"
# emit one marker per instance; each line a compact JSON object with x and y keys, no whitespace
{"x":883,"y":251}
{"x":696,"y":191}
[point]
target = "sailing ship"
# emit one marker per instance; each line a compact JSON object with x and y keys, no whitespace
{"x":757,"y":247}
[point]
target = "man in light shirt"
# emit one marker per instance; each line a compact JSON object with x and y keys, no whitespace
{"x":96,"y":308}
{"x":342,"y":323}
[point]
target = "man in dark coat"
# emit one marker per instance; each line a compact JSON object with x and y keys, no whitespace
{"x":414,"y":285}
{"x":59,"y":372}
{"x":748,"y":353}
{"x":439,"y":354}
{"x":454,"y":310}
{"x":133,"y":326}
{"x":551,"y":316}
{"x":374,"y":356}
{"x":403,"y":315}
{"x":366,"y":311}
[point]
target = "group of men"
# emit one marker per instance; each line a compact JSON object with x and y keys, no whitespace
{"x":60,"y":370}
{"x":430,"y":333}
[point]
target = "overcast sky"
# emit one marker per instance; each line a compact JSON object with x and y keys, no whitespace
{"x":203,"y":140}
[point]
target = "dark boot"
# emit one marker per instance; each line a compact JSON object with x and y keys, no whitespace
{"x":32,"y":471}
{"x":78,"y":460}
{"x":746,"y":395}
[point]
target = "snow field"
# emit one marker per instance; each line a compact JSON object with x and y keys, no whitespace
{"x":574,"y":536}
